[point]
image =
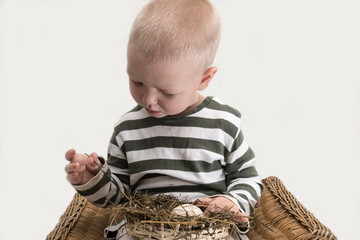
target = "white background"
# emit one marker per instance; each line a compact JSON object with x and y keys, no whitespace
{"x":290,"y":67}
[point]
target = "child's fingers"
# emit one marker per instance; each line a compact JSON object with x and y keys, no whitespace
{"x":73,"y":157}
{"x":81,"y":167}
{"x":212,"y":204}
{"x":74,"y":178}
{"x":94,"y":161}
{"x":241,"y":217}
{"x":204,"y":201}
{"x":69,"y":155}
{"x":94,"y":164}
{"x":208,"y":202}
{"x":74,"y":167}
{"x":74,"y":171}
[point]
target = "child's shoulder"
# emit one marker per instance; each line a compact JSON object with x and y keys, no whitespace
{"x":218,"y":105}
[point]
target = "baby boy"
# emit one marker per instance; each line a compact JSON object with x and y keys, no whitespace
{"x":175,"y":141}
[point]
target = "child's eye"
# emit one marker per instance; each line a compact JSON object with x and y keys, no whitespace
{"x":168,"y":94}
{"x":139,"y":84}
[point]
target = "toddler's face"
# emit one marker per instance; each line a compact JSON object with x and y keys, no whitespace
{"x":164,"y":89}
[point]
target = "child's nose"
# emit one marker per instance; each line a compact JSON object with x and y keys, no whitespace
{"x":149,"y":98}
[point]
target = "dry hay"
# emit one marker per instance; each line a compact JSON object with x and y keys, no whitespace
{"x":278,"y":215}
{"x":151,"y":217}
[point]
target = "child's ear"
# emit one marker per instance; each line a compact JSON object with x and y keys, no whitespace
{"x":206,"y":77}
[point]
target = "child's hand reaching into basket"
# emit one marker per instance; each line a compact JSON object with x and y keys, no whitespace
{"x":82,"y":168}
{"x":222,"y":202}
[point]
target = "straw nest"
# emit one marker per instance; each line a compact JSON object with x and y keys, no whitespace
{"x":154,"y":217}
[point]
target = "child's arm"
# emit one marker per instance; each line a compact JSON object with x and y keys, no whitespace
{"x":91,"y":177}
{"x":81,"y":168}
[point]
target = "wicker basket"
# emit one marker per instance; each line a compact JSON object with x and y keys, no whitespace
{"x":147,"y":231}
{"x":281,"y":215}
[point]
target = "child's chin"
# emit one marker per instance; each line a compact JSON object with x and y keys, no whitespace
{"x":157,"y":114}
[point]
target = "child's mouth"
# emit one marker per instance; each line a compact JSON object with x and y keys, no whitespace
{"x":152,"y":112}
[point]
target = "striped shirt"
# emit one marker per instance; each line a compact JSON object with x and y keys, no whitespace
{"x":198,"y":155}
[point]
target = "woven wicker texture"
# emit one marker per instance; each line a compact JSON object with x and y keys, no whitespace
{"x":284,"y":216}
{"x":146,"y":232}
{"x":279,"y":216}
{"x":82,"y":220}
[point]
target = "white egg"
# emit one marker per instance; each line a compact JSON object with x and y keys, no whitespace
{"x":187,"y":210}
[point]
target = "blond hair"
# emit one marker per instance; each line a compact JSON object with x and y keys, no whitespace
{"x":169,"y":30}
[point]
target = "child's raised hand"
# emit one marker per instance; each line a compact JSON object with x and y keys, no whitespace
{"x":222,"y":202}
{"x":82,"y":167}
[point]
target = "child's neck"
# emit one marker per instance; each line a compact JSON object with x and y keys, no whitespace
{"x":199,"y":100}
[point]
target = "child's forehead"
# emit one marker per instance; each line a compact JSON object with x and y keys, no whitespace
{"x":162,"y":68}
{"x":181,"y":65}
